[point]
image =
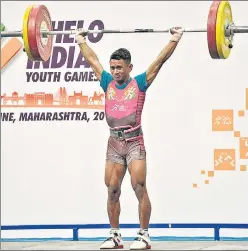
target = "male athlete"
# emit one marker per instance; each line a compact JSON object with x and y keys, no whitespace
{"x":124,"y":100}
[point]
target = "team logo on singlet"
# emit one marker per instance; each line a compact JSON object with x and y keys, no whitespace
{"x":111,"y":94}
{"x":129,"y":94}
{"x":120,"y":108}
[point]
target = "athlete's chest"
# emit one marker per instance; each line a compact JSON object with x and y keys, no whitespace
{"x":127,"y":95}
{"x":122,"y":100}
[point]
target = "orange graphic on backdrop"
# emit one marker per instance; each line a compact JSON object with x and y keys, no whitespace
{"x":222,"y":120}
{"x":59,"y":99}
{"x":246,"y":98}
{"x":243,"y":168}
{"x":243,"y":145}
{"x":9,"y":50}
{"x":224,"y":159}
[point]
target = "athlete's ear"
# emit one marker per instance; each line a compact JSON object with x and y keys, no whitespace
{"x":130,"y":67}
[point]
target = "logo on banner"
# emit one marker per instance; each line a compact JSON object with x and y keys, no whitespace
{"x":65,"y":67}
{"x":243,"y":145}
{"x":224,"y":159}
{"x":222,"y":120}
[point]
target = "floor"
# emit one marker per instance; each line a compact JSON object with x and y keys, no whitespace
{"x":156,"y":245}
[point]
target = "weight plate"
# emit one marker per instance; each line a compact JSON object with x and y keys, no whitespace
{"x":211,"y":30}
{"x":40,"y":46}
{"x":25,"y":33}
{"x":224,"y":18}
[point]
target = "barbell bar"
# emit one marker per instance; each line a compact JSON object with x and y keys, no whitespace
{"x":232,"y":29}
{"x":38,"y":35}
{"x":71,"y":32}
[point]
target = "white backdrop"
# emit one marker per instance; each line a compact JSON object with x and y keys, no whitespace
{"x":53,"y":171}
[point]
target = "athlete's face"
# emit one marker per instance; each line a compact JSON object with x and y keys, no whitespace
{"x":120,"y":70}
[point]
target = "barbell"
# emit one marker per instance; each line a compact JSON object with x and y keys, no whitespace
{"x":38,"y":35}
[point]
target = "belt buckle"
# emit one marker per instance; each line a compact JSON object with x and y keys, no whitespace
{"x":120,"y":135}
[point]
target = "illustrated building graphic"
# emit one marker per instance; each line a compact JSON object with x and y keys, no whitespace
{"x":58,"y":99}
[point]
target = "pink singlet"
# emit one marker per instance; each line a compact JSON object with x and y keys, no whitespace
{"x":123,"y":109}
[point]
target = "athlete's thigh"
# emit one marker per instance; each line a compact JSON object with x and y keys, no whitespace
{"x":137,"y":169}
{"x":114,"y":174}
{"x":136,"y":160}
{"x":115,"y":167}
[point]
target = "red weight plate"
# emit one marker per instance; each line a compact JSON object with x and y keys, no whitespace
{"x":211,"y":30}
{"x":40,"y":47}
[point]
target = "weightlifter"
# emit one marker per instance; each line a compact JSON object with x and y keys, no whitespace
{"x":124,"y":100}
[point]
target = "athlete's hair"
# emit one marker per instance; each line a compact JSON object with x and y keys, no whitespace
{"x":121,"y":53}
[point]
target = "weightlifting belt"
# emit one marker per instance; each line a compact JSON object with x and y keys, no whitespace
{"x":122,"y":135}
